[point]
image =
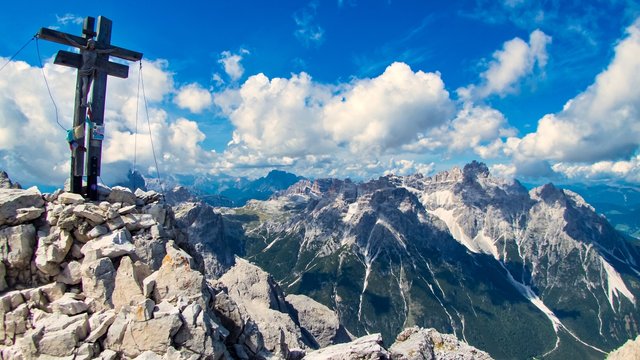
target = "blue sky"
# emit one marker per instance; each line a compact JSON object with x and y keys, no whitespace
{"x":538,"y":90}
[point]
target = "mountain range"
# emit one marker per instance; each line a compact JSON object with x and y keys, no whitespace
{"x":517,"y":273}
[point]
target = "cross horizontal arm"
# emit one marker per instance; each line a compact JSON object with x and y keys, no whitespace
{"x":75,"y":61}
{"x":63,"y":38}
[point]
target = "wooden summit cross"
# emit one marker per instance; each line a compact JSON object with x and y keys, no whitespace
{"x":93,"y":67}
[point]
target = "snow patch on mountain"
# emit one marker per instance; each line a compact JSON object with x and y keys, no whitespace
{"x":616,"y":285}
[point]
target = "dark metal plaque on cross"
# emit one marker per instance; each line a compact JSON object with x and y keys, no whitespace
{"x":97,"y":52}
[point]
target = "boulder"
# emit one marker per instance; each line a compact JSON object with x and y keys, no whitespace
{"x":366,"y":347}
{"x":97,"y":231}
{"x":52,"y":250}
{"x":90,"y":212}
{"x":98,"y":281}
{"x":71,"y":273}
{"x":58,"y":343}
{"x":122,"y":195}
{"x":111,"y":245}
{"x":68,"y":198}
{"x":99,"y":323}
{"x":128,"y":290}
{"x":263,"y":300}
{"x":12,"y":200}
{"x":17,"y":244}
{"x":154,"y":335}
{"x":318,"y":320}
{"x":176,"y":278}
{"x":416,"y":344}
{"x":199,"y":333}
{"x":69,"y":304}
{"x":28,"y":214}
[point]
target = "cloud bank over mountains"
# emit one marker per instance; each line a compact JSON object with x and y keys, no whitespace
{"x":402,"y":120}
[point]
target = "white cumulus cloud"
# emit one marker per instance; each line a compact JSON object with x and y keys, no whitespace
{"x":232,"y":63}
{"x":516,"y":60}
{"x":602,"y":123}
{"x":193,"y":97}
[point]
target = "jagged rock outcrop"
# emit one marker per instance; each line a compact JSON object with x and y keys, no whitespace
{"x":428,"y":344}
{"x":214,"y":254}
{"x":318,"y":321}
{"x":261,"y":298}
{"x":630,"y":350}
{"x":6,"y":183}
{"x":368,"y":347}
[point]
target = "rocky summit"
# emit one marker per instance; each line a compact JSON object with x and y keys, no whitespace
{"x":127,"y":277}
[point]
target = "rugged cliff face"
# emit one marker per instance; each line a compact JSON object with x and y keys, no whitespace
{"x":514,"y":272}
{"x":125,"y":277}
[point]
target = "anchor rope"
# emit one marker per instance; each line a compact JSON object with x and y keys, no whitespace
{"x":18,"y":52}
{"x":146,"y":107}
{"x":135,"y":134}
{"x":47,"y":84}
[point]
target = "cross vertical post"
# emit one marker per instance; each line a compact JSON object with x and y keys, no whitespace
{"x":96,"y":132}
{"x":79,"y":115}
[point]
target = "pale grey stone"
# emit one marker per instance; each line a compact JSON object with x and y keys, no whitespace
{"x":69,"y":304}
{"x":16,"y":245}
{"x":99,"y":323}
{"x":91,"y":212}
{"x":12,"y":200}
{"x":112,"y":245}
{"x":98,"y":281}
{"x":71,"y":273}
{"x":68,"y":198}
{"x":122,"y":195}
{"x":366,"y":347}
{"x":127,"y":289}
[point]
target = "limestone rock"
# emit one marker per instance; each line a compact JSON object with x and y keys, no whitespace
{"x":3,"y":274}
{"x":98,"y":230}
{"x":151,"y":249}
{"x":122,"y":195}
{"x":206,"y":241}
{"x":69,"y":304}
{"x":247,"y":281}
{"x":111,"y":245}
{"x":416,"y":344}
{"x":366,"y":347}
{"x":53,"y":291}
{"x":69,"y":198}
{"x":154,"y":335}
{"x":99,"y":323}
{"x":87,"y":351}
{"x":71,"y":273}
{"x":630,"y":350}
{"x":28,"y":214}
{"x":176,"y":278}
{"x":98,"y":281}
{"x":12,"y":200}
{"x":16,"y":245}
{"x":262,"y":299}
{"x":199,"y":332}
{"x":58,"y":343}
{"x":90,"y":212}
{"x":127,"y":289}
{"x":52,"y":250}
{"x":318,"y":320}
